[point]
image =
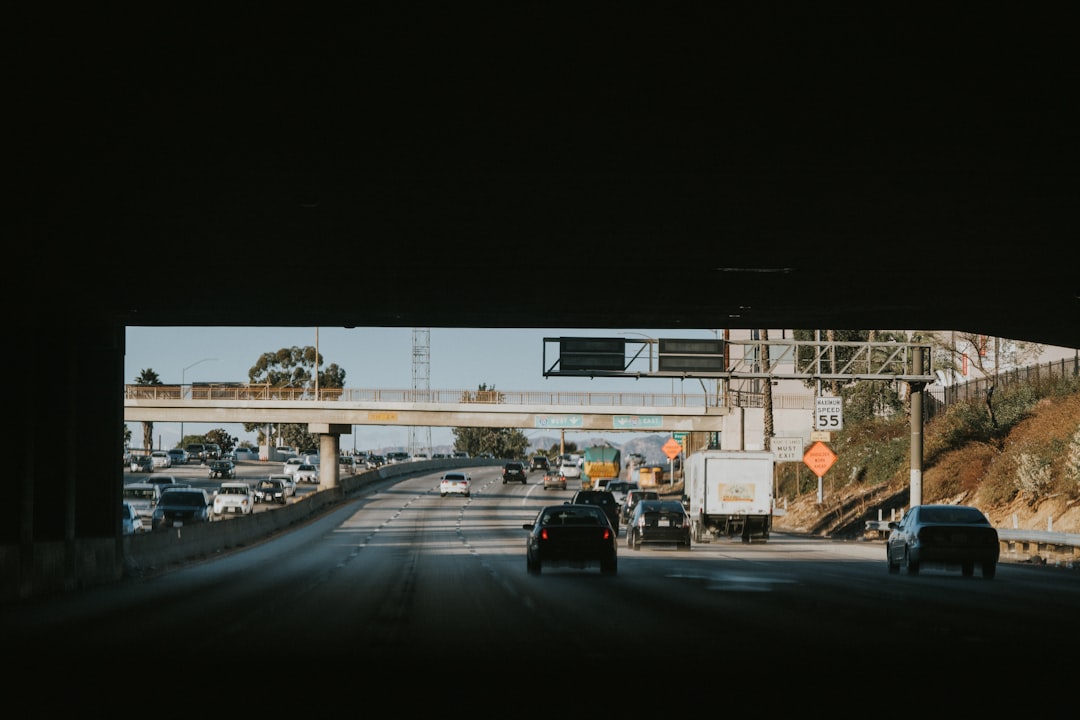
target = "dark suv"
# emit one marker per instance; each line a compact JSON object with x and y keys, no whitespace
{"x":224,"y":469}
{"x":539,"y":462}
{"x":514,"y":471}
{"x":603,"y":499}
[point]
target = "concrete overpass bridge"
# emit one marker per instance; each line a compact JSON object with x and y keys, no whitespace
{"x":735,"y":417}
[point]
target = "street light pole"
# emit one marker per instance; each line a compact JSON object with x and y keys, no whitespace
{"x":183,"y":375}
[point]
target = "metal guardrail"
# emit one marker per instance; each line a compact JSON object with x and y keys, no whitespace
{"x":1035,"y":542}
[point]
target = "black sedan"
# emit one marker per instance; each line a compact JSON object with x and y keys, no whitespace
{"x":575,"y":536}
{"x":601,"y":499}
{"x":658,"y":521}
{"x":945,"y":536}
{"x":270,"y":490}
{"x":224,"y":469}
{"x":182,"y":506}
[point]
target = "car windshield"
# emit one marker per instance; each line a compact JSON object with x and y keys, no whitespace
{"x":139,"y":493}
{"x":234,"y":490}
{"x":454,"y":478}
{"x":269,"y":485}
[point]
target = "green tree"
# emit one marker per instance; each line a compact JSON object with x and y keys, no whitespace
{"x":293,"y":367}
{"x":221,"y":437}
{"x":556,"y":450}
{"x":955,"y":352}
{"x":500,"y":442}
{"x":148,"y":377}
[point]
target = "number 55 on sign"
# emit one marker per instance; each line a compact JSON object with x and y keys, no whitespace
{"x":829,"y":413}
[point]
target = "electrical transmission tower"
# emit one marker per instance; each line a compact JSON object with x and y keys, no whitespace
{"x":420,"y":437}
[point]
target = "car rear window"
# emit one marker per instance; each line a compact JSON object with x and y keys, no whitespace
{"x":183,"y":498}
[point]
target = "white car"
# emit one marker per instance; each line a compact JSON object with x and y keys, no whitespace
{"x":234,"y":498}
{"x":132,"y":522}
{"x":160,"y":459}
{"x":144,"y":498}
{"x":306,"y":473}
{"x":455,"y":483}
{"x":288,"y":481}
{"x":570,"y":470}
{"x":290,"y":465}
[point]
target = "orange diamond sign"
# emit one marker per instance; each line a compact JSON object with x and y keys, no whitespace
{"x":672,"y":448}
{"x":819,"y":458}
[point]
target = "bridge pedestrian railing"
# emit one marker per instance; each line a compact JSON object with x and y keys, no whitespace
{"x":255,"y":392}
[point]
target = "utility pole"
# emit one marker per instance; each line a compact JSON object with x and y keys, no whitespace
{"x":420,"y":437}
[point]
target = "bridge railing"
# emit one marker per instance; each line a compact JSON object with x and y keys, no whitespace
{"x":244,"y":392}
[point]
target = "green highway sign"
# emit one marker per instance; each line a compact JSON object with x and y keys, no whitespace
{"x":629,"y":422}
{"x":557,"y":421}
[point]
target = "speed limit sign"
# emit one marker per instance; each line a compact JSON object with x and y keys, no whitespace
{"x":829,"y":413}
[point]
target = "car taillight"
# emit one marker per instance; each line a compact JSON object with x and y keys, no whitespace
{"x":543,"y":534}
{"x":607,"y":534}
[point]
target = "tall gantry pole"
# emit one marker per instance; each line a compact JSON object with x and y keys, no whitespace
{"x":420,"y":437}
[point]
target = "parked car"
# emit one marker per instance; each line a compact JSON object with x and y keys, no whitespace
{"x":633,"y":497}
{"x":514,"y":471}
{"x":539,"y":462}
{"x":270,"y":490}
{"x":144,"y":498}
{"x":234,"y":498}
{"x":455,"y":483}
{"x":182,"y":506}
{"x":160,"y":459}
{"x":943,"y":536}
{"x":224,"y":469}
{"x":553,"y":479}
{"x":306,"y":473}
{"x":601,"y":499}
{"x":131,"y":521}
{"x":571,"y":535}
{"x":658,"y":521}
{"x":288,"y":481}
{"x":178,"y":456}
{"x":141,"y":463}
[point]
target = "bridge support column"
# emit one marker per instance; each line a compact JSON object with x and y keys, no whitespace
{"x":329,"y":451}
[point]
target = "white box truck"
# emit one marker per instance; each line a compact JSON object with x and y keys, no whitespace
{"x":729,"y":493}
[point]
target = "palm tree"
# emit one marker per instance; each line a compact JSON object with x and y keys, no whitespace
{"x":148,"y":377}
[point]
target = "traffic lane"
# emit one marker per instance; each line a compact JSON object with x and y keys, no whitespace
{"x":400,"y":577}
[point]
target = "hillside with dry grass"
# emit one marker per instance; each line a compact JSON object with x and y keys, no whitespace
{"x":1025,"y":477}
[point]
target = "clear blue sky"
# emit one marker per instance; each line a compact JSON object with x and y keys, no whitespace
{"x":458,"y":358}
